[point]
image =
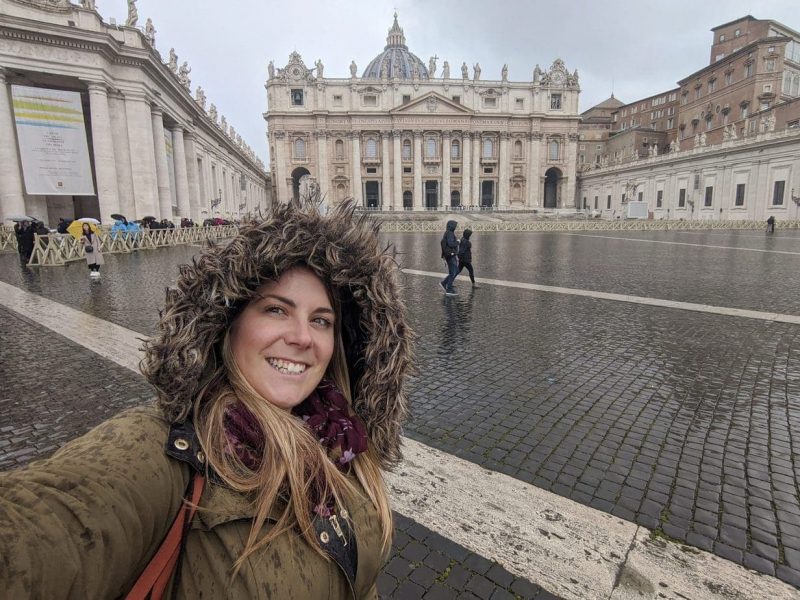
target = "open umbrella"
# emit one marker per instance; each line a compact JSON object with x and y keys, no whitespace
{"x":20,"y":219}
{"x":75,"y":228}
{"x":118,"y":217}
{"x":148,"y":218}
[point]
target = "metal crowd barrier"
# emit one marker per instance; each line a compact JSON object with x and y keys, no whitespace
{"x":58,"y":249}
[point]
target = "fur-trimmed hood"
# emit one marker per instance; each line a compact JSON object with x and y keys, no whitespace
{"x":343,"y":250}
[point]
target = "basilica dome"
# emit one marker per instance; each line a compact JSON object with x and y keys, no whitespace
{"x":395,"y":59}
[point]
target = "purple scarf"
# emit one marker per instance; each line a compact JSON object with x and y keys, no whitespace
{"x":325,"y":412}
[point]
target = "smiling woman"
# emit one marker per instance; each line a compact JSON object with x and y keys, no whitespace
{"x":279,"y":365}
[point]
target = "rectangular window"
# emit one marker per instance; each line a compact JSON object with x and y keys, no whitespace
{"x":608,"y":201}
{"x":659,"y":198}
{"x":777,"y":193}
{"x":519,"y":103}
{"x":682,"y":198}
{"x":488,"y":170}
{"x":729,"y":78}
{"x":739,"y":195}
{"x":490,"y":102}
{"x":406,"y":98}
{"x":641,"y":196}
{"x":770,"y":65}
{"x":595,"y":202}
{"x":297,"y":97}
{"x":712,"y":85}
{"x":555,"y":101}
{"x":370,"y":100}
{"x":457,"y":99}
{"x":372,"y":170}
{"x":697,"y":92}
{"x":748,"y":69}
{"x":455,"y":170}
{"x":337,"y":100}
{"x":406,"y":169}
{"x":709,"y":197}
{"x":670,"y":123}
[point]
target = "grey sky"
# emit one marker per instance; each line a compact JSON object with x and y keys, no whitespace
{"x":644,"y":47}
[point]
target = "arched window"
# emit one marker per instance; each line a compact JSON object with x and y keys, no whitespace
{"x":430,"y":147}
{"x":488,"y":148}
{"x":455,"y":149}
{"x":372,"y":148}
{"x":554,"y":150}
{"x":518,"y":149}
{"x":299,"y":148}
{"x":339,"y":145}
{"x":407,"y":150}
{"x":341,"y":192}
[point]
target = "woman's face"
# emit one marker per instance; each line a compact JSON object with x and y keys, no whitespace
{"x":86,"y":229}
{"x":283,"y":340}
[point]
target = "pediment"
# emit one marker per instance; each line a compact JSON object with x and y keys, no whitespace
{"x":431,"y":104}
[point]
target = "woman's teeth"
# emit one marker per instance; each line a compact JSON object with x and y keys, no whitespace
{"x":285,"y":366}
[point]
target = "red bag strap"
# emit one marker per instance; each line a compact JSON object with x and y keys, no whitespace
{"x":154,"y":579}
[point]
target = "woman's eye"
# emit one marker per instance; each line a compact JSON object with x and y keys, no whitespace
{"x":277,"y":310}
{"x":323,"y":322}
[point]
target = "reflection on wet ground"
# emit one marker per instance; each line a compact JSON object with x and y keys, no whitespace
{"x":683,"y":422}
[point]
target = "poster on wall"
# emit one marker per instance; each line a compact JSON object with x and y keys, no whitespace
{"x":52,"y":141}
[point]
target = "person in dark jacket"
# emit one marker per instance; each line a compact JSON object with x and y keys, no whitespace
{"x":771,"y":224}
{"x":450,"y":255}
{"x":465,"y":256}
{"x":24,"y":232}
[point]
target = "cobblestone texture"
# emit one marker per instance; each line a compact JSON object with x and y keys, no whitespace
{"x":683,"y":422}
{"x":54,"y":390}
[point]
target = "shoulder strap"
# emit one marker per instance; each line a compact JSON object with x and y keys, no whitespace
{"x":154,"y":579}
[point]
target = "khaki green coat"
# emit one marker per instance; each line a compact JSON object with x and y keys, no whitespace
{"x":85,"y":522}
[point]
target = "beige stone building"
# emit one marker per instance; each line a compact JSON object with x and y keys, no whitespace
{"x":723,"y":145}
{"x":406,"y":135}
{"x":133,"y":134}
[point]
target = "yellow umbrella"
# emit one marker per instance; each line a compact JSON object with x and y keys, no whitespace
{"x":76,"y":227}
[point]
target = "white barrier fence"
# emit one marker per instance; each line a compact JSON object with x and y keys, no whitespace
{"x":58,"y":249}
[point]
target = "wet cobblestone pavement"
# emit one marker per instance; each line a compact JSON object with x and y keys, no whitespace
{"x":683,"y":422}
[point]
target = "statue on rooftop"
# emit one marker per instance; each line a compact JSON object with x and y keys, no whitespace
{"x":150,"y":32}
{"x":320,"y":68}
{"x":504,"y":73}
{"x":477,"y":71}
{"x":173,"y":61}
{"x":353,"y":69}
{"x":183,"y":75}
{"x":133,"y":14}
{"x":446,"y":70}
{"x":432,"y":66}
{"x":464,"y":70}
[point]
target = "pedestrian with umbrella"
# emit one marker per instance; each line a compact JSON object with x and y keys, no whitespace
{"x":85,"y":230}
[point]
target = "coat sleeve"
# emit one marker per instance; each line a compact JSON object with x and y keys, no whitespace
{"x":85,"y":522}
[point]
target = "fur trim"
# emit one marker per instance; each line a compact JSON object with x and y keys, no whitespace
{"x":343,"y":251}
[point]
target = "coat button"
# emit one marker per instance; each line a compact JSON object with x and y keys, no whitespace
{"x":345,"y":514}
{"x":324,"y":537}
{"x":181,"y":444}
{"x":201,"y":457}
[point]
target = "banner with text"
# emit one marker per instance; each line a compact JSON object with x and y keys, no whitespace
{"x":52,"y":141}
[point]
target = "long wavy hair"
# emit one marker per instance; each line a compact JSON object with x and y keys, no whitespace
{"x":294,"y":461}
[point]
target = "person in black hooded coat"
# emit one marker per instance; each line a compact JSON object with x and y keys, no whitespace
{"x":465,"y":256}
{"x":450,"y":255}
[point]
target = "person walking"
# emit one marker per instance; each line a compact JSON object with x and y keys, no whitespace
{"x":771,"y":224}
{"x":91,"y":247}
{"x":449,"y":245}
{"x":465,"y":256}
{"x":280,"y":367}
{"x":25,"y":239}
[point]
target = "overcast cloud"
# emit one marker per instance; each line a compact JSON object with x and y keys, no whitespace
{"x":641,"y":47}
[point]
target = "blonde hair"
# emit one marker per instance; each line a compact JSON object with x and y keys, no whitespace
{"x":293,"y":460}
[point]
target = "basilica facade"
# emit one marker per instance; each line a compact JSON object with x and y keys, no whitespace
{"x":405,"y":136}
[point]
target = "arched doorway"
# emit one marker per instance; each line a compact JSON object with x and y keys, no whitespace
{"x":408,"y":203}
{"x":551,"y":180}
{"x":296,"y":175}
{"x":431,"y":195}
{"x":455,"y":198}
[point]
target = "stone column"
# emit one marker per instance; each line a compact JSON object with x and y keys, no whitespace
{"x":357,"y":192}
{"x":466,"y":169}
{"x":571,"y":158}
{"x":193,"y":175}
{"x":142,"y":153}
{"x":476,"y":169}
{"x":387,"y":200}
{"x":322,"y":165}
{"x":397,"y":170}
{"x":503,"y":173}
{"x":122,"y":154}
{"x":418,"y":194}
{"x":534,"y":174}
{"x":12,"y":196}
{"x":162,"y":169}
{"x":181,"y":175}
{"x":105,"y":165}
{"x":445,"y":168}
{"x":281,"y":193}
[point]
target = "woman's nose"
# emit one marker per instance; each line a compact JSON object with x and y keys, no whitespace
{"x":299,"y":333}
